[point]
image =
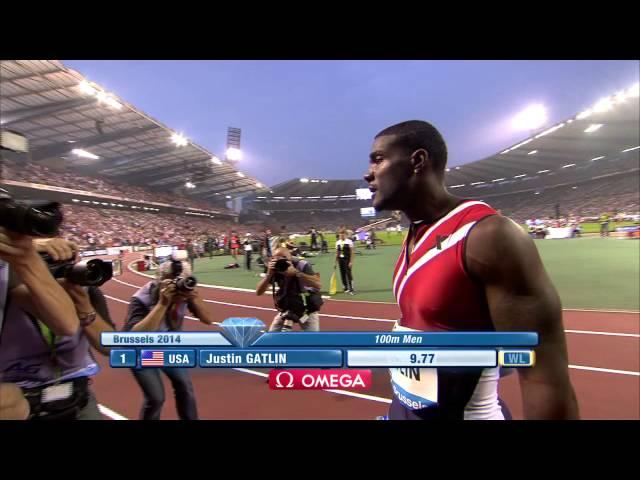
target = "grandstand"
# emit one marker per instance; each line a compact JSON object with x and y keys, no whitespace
{"x":73,"y":125}
{"x":585,"y":165}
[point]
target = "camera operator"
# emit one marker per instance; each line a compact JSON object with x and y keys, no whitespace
{"x":54,"y":370}
{"x":161,"y":305}
{"x":298,"y":298}
{"x":27,"y":283}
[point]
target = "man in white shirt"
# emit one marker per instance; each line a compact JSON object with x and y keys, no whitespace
{"x":344,"y":259}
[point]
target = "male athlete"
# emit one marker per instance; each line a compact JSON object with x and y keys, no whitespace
{"x":464,"y":267}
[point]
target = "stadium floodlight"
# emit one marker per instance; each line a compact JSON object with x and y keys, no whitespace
{"x":543,"y":171}
{"x":603,"y":105}
{"x":520,"y":176}
{"x":447,"y":170}
{"x":506,"y":151}
{"x":84,"y":154}
{"x":189,"y":185}
{"x":550,"y":130}
{"x":258,"y":184}
{"x":240,"y":174}
{"x":477,"y":183}
{"x":216,"y":160}
{"x":313,"y":197}
{"x":228,"y":196}
{"x":86,"y":88}
{"x":304,"y":180}
{"x":498,"y":179}
{"x":532,"y":152}
{"x":597,"y":158}
{"x":324,"y":181}
{"x":75,"y":200}
{"x":457,"y":168}
{"x":457,"y":186}
{"x":530,"y":118}
{"x":630,"y":149}
{"x":569,"y":165}
{"x":234,"y":154}
{"x":179,"y":140}
{"x":593,"y":127}
{"x":582,"y":115}
{"x":521,"y":144}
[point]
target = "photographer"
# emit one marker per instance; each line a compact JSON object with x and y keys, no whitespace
{"x":54,"y":370}
{"x":298,"y":297}
{"x":161,"y":305}
{"x":28,"y":284}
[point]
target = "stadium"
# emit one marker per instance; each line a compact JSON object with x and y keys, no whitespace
{"x":131,"y":185}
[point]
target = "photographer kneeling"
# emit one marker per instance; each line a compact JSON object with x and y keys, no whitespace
{"x":298,"y":298}
{"x":53,"y":367}
{"x":161,"y":305}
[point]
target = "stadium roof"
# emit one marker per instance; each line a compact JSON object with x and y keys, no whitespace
{"x":66,"y":117}
{"x":593,"y":140}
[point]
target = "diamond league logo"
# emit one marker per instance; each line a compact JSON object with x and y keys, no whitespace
{"x":242,"y":332}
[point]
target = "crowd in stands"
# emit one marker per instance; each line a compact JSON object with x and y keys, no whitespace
{"x":616,"y":194}
{"x":35,"y":173}
{"x":101,"y":227}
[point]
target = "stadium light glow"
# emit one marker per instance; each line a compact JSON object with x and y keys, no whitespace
{"x":477,"y":183}
{"x":593,"y":127}
{"x":84,"y":154}
{"x":603,"y":105}
{"x":457,"y":168}
{"x":189,"y":185}
{"x":532,"y":152}
{"x":543,"y":171}
{"x":457,"y":186}
{"x":634,"y":90}
{"x":179,"y":140}
{"x":447,"y":170}
{"x":234,"y":154}
{"x":550,"y":130}
{"x":216,"y":160}
{"x":522,"y":143}
{"x":313,"y":197}
{"x":597,"y":158}
{"x":240,"y":174}
{"x":630,"y":149}
{"x":324,"y":181}
{"x":330,"y":196}
{"x":506,"y":151}
{"x":520,"y":176}
{"x":530,"y":118}
{"x":228,"y":196}
{"x":304,"y":180}
{"x":258,"y":184}
{"x":498,"y":179}
{"x":582,"y":115}
{"x":75,"y":200}
{"x":86,"y":88}
{"x":569,"y":165}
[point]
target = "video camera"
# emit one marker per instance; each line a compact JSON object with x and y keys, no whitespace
{"x":183,"y":284}
{"x":87,"y":273}
{"x":29,"y":217}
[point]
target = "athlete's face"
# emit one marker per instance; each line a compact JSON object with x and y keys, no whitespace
{"x":389,"y":174}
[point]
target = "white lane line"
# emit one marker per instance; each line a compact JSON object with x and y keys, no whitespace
{"x":613,"y":334}
{"x":110,"y":413}
{"x":268,"y":309}
{"x":339,"y":392}
{"x":637,"y":312}
{"x":605,"y":370}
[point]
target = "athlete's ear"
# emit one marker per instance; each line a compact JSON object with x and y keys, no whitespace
{"x":419,"y":160}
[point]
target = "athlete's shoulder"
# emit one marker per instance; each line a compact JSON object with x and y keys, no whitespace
{"x":496,"y":242}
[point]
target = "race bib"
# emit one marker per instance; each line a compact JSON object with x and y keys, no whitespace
{"x":416,"y":388}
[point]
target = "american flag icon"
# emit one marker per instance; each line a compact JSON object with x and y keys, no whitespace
{"x":152,"y":358}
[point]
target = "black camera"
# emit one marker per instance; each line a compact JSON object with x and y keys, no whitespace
{"x":282,"y":265}
{"x":183,"y":284}
{"x":29,"y":217}
{"x":87,"y":273}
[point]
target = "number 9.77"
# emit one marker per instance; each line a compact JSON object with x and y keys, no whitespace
{"x":422,"y":358}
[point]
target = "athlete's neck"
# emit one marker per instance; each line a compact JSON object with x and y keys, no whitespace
{"x":431,"y":205}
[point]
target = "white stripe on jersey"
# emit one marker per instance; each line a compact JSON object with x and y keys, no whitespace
{"x":455,"y":211}
{"x":447,"y":243}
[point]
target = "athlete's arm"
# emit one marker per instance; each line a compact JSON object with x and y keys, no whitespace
{"x":521,"y":297}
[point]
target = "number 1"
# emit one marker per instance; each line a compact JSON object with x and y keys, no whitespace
{"x":122,"y":356}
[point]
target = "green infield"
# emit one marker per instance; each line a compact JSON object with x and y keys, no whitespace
{"x":590,"y":273}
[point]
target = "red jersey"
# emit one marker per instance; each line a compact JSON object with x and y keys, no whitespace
{"x":434,"y":291}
